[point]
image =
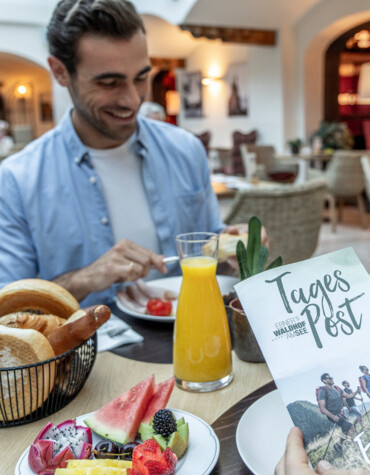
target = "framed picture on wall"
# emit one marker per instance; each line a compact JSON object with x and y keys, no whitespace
{"x":46,"y":109}
{"x":191,"y":90}
{"x":237,"y":95}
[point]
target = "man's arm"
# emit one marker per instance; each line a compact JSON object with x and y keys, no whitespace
{"x":18,"y":256}
{"x":125,"y":261}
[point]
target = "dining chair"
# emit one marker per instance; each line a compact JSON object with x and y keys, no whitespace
{"x":345,"y":178}
{"x":239,"y":138}
{"x":291,"y":214}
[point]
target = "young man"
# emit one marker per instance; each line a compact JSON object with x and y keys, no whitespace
{"x":365,"y":379}
{"x":349,"y":400}
{"x":99,"y":199}
{"x":330,"y":399}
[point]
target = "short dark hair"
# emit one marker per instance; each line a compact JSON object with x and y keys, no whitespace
{"x":74,"y":18}
{"x":344,"y":382}
{"x":324,"y":376}
{"x":362,"y":367}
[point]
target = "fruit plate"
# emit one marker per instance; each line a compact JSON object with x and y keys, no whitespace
{"x":200,"y":458}
{"x":225,"y":282}
{"x":253,"y":436}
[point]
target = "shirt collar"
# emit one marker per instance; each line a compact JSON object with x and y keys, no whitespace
{"x":79,"y":150}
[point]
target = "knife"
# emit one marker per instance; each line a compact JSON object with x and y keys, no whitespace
{"x":171,"y":259}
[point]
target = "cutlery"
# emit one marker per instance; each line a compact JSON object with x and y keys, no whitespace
{"x":117,"y":331}
{"x":171,"y":259}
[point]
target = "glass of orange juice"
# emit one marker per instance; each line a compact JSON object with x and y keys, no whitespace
{"x":202,"y":347}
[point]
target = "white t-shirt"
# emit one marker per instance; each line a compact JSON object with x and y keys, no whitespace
{"x":119,"y":170}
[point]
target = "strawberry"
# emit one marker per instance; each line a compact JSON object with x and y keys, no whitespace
{"x":148,"y":459}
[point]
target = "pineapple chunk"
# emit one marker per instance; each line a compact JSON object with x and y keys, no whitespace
{"x":98,"y":470}
{"x":99,"y":463}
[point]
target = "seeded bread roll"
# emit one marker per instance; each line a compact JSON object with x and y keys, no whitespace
{"x":42,"y":323}
{"x":19,"y":347}
{"x":37,"y":294}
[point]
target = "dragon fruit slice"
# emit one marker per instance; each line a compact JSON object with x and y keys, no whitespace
{"x":55,"y":445}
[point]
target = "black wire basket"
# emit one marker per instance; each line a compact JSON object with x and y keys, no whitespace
{"x":31,"y":392}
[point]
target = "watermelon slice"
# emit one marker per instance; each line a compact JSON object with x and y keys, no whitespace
{"x":119,"y":420}
{"x":162,"y":393}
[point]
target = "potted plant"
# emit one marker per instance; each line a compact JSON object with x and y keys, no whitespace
{"x":295,"y":146}
{"x":334,"y":136}
{"x":251,"y":261}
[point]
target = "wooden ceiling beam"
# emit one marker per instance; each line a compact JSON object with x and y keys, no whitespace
{"x":168,"y":63}
{"x":232,"y":35}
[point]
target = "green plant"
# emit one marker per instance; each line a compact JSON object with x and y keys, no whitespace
{"x":334,"y":135}
{"x":295,"y":143}
{"x":252,"y":259}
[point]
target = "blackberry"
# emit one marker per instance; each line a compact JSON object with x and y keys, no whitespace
{"x":164,"y":422}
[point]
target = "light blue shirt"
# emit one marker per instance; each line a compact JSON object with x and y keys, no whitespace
{"x":53,"y":215}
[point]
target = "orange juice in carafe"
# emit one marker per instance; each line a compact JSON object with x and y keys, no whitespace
{"x":202,"y":348}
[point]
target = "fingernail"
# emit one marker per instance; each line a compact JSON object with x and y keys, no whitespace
{"x":325,"y":465}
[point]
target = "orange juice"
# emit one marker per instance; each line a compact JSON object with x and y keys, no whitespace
{"x":202,"y":348}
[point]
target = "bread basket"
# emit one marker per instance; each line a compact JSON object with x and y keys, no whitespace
{"x":31,"y":392}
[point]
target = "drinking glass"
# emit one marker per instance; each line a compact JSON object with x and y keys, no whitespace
{"x":202,"y":347}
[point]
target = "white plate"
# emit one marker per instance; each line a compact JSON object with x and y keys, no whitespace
{"x":262,"y":432}
{"x":225,"y":282}
{"x":200,"y":458}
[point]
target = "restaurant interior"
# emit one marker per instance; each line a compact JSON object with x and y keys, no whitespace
{"x":278,"y":92}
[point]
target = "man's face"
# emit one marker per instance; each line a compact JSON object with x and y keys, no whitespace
{"x":110,"y":84}
{"x":329,"y":379}
{"x":346,"y":384}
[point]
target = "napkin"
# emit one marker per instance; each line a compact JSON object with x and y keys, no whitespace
{"x":115,"y":332}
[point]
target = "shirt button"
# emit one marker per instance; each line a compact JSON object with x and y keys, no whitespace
{"x":92,"y":180}
{"x":105,"y":220}
{"x":76,"y":159}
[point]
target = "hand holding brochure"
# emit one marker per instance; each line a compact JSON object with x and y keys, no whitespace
{"x":312,"y":322}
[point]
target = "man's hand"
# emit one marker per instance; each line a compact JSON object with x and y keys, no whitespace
{"x":239,"y":229}
{"x":126,"y":260}
{"x":295,"y":460}
{"x":243,"y":228}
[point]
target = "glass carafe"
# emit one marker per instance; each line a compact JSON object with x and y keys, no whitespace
{"x":202,"y":347}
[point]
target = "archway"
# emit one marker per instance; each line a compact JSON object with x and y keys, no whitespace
{"x":342,"y":66}
{"x":26,"y":97}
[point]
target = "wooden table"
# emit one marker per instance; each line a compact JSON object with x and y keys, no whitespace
{"x":317,"y":160}
{"x":113,"y":374}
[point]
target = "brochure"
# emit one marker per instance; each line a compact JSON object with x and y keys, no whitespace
{"x":312,"y":322}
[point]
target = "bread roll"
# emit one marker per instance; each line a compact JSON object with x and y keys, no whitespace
{"x":226,"y":245}
{"x":42,"y":323}
{"x":37,"y":294}
{"x":78,"y":329}
{"x":19,"y":347}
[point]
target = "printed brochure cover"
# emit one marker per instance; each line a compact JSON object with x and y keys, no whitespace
{"x":312,"y":322}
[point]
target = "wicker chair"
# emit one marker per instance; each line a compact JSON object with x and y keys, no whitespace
{"x":345,"y":179}
{"x":292,"y":215}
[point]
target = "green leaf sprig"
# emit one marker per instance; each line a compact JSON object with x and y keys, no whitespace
{"x":252,"y":259}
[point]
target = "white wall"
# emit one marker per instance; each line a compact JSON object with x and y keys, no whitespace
{"x":264,"y":93}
